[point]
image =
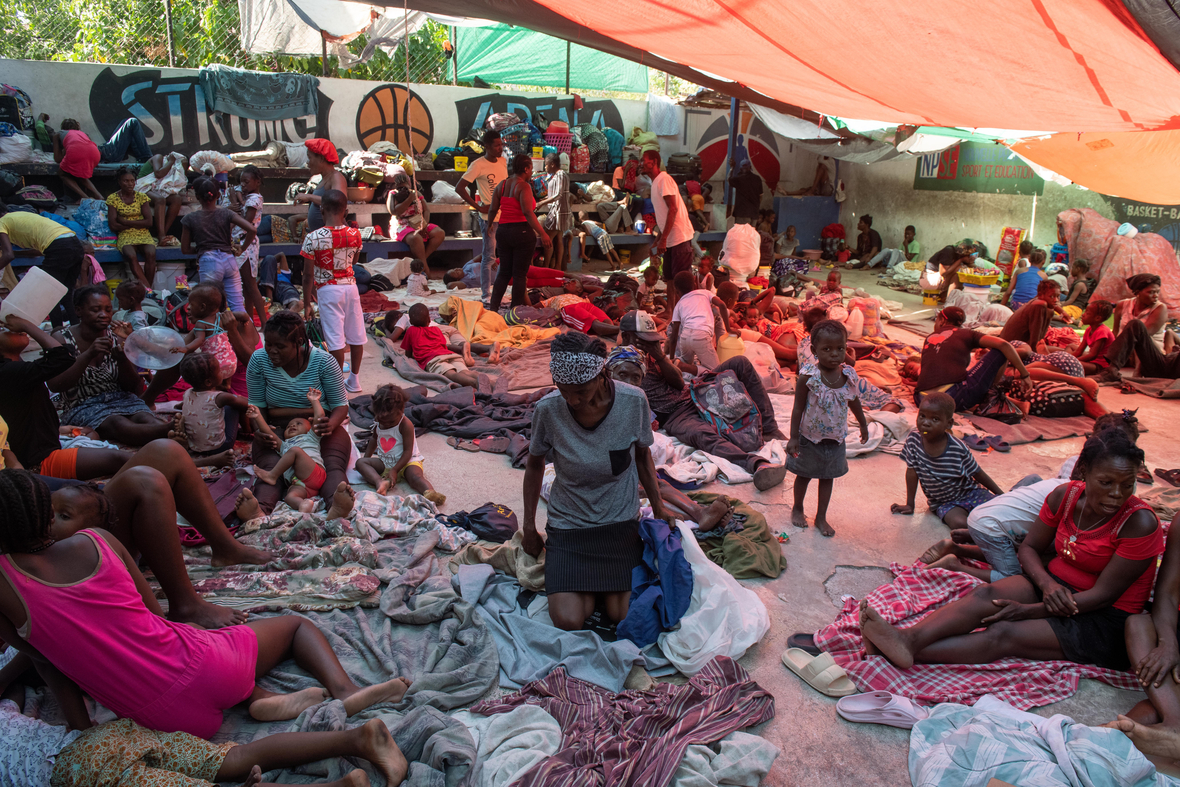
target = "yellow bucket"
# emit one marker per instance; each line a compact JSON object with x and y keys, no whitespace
{"x":624,"y":256}
{"x":112,"y":285}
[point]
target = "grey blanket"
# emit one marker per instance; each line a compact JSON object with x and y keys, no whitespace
{"x":423,"y":632}
{"x":530,"y":646}
{"x":259,"y":95}
{"x":1031,"y":428}
{"x":1159,"y":387}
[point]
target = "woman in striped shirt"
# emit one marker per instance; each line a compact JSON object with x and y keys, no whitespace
{"x":278,"y":379}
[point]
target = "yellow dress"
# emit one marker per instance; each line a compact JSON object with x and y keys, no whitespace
{"x":136,"y":236}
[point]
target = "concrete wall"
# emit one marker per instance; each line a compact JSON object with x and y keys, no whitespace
{"x":886,"y":192}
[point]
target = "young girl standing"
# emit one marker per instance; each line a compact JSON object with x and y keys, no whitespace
{"x":129,"y":213}
{"x":248,"y":203}
{"x":819,"y":423}
{"x":207,"y":233}
{"x":397,"y":456}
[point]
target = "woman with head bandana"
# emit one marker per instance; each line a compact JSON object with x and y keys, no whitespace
{"x":598,"y":435}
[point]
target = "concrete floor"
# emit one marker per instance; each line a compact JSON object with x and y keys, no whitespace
{"x":817,"y":746}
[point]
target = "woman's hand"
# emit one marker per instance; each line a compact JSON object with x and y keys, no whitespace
{"x":1008,"y":610}
{"x":1153,"y":668}
{"x":532,"y":543}
{"x":898,"y":508}
{"x":99,"y":348}
{"x":121,"y":329}
{"x":322,"y":426}
{"x":1059,"y":600}
{"x":301,"y":198}
{"x":546,"y":241}
{"x":17,"y":324}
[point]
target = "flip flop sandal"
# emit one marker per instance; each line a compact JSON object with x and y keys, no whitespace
{"x":463,"y":445}
{"x":1144,"y":477}
{"x":997,"y":442}
{"x":881,"y":707}
{"x":803,"y":642}
{"x":975,"y":442}
{"x":821,"y":672}
{"x":1170,"y":476}
{"x":1127,"y":388}
{"x":493,"y":445}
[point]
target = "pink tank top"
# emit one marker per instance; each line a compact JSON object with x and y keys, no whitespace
{"x":510,"y":211}
{"x":99,"y":634}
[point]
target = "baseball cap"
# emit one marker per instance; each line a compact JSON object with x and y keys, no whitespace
{"x":641,"y":324}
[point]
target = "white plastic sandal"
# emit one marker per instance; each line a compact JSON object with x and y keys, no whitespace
{"x":820,"y":672}
{"x":881,"y":707}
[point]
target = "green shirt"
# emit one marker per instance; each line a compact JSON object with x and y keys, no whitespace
{"x":913,"y":247}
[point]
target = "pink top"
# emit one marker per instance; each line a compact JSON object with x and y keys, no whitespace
{"x":79,"y":154}
{"x":510,"y":212}
{"x":98,"y":632}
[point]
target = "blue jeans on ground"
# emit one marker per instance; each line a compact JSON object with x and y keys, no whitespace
{"x":1000,"y":554}
{"x":127,"y":137}
{"x":488,"y":254}
{"x":221,"y":268}
{"x":973,"y":389}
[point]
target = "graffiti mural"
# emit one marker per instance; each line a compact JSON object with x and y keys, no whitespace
{"x":474,"y":112}
{"x":175,"y":117}
{"x":755,"y":143}
{"x":390,"y":113}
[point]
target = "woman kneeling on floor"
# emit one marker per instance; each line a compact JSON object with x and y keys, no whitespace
{"x":597,"y":432}
{"x":1106,"y":540}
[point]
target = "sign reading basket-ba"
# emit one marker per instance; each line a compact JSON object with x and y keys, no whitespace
{"x":978,"y":167}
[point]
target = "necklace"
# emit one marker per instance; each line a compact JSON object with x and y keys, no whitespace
{"x":42,"y":548}
{"x":1067,"y":549}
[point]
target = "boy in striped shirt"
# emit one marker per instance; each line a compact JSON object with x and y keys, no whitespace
{"x":951,"y":479}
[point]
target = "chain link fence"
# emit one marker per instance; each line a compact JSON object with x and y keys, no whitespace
{"x":190,"y":34}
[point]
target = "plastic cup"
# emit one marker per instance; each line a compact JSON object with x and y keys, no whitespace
{"x":33,"y":297}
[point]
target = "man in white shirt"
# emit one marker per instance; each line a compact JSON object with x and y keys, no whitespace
{"x":675,"y":239}
{"x":485,"y":173}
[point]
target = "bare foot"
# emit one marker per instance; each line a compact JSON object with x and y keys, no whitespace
{"x":384,"y":486}
{"x":949,"y":562}
{"x":377,"y":747}
{"x":240,"y":554}
{"x":962,"y":536}
{"x":307,"y":505}
{"x":246,"y":506}
{"x":1156,"y":740}
{"x":1089,"y":387}
{"x":390,"y":691}
{"x":943,"y":547}
{"x":467,"y":359}
{"x":870,"y":648}
{"x":494,"y":355}
{"x":714,"y":514}
{"x":436,"y":497}
{"x":798,"y":518}
{"x":255,"y":777}
{"x":889,"y":640}
{"x":266,"y":476}
{"x":821,"y":524}
{"x":206,"y":615}
{"x":356,"y":778}
{"x":342,"y":501}
{"x":223,"y":459}
{"x":280,"y":707}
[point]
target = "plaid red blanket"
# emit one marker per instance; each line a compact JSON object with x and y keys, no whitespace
{"x":917,"y":591}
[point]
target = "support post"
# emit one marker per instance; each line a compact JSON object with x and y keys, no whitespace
{"x":324,"y":52}
{"x":567,"y":67}
{"x":727,"y":191}
{"x":454,"y":58}
{"x":168,"y":28}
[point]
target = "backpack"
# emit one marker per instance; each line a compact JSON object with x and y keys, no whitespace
{"x":176,"y":314}
{"x":502,"y":120}
{"x":39,"y":197}
{"x":444,"y":158}
{"x":1055,"y":400}
{"x":580,"y":160}
{"x":723,"y":402}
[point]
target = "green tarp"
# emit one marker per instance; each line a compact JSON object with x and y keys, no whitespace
{"x":501,"y":54}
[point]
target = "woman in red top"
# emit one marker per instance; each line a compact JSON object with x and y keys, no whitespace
{"x":1106,"y":540}
{"x":514,"y":209}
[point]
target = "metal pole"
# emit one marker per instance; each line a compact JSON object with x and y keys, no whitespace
{"x":666,"y":81}
{"x":324,"y":52}
{"x":567,"y":67}
{"x":454,"y":57}
{"x":168,"y":27}
{"x":727,"y":192}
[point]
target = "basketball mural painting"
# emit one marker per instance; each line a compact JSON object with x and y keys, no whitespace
{"x":175,"y":117}
{"x":391,"y":113}
{"x":755,"y":143}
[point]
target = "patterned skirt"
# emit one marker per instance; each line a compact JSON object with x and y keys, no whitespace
{"x":93,"y":411}
{"x":592,"y":559}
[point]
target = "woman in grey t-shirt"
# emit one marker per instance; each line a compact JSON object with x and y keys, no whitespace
{"x":598,"y":435}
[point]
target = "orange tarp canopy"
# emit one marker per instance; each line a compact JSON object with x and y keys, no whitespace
{"x":1143,"y":166}
{"x":1057,"y":65}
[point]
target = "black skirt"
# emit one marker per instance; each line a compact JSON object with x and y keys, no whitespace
{"x":1094,"y":637}
{"x":592,"y":559}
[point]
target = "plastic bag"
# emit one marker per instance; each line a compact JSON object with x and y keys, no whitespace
{"x":443,"y":192}
{"x":646,"y":140}
{"x":16,"y":149}
{"x":203,"y":159}
{"x":92,"y":214}
{"x":742,"y":252}
{"x":723,"y":619}
{"x":175,"y":182}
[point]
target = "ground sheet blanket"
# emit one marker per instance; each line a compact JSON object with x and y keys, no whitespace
{"x":957,"y":746}
{"x":917,"y":591}
{"x":635,"y":738}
